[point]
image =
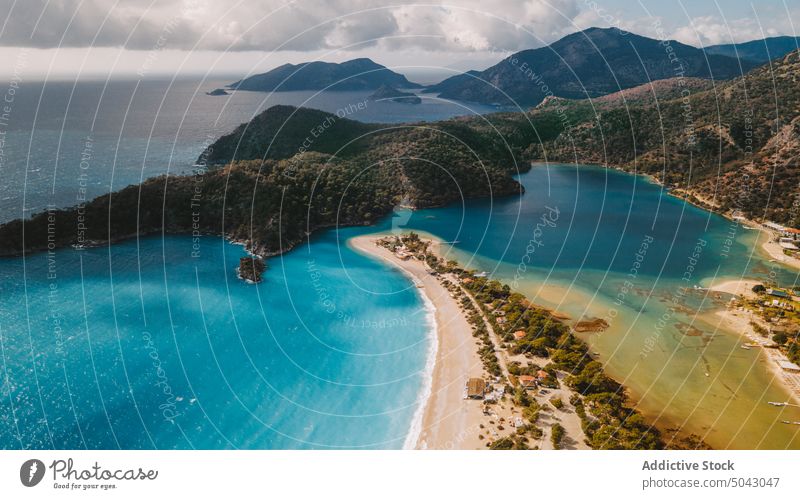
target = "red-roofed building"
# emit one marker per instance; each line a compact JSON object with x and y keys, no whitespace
{"x":518,"y":335}
{"x":790,"y":232}
{"x":526,"y":381}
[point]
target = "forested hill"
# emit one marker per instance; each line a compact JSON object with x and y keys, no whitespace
{"x":589,"y":63}
{"x":356,"y":74}
{"x":291,"y":171}
{"x":731,"y":146}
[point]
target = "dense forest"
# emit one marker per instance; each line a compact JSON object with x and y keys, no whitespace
{"x":730,"y":146}
{"x":289,"y":172}
{"x":271,"y":182}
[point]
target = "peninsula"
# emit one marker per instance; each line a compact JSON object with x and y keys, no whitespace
{"x":504,"y":384}
{"x":292,"y":171}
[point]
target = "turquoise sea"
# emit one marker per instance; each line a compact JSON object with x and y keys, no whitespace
{"x":140,"y":345}
{"x":143,"y":346}
{"x":592,"y":242}
{"x":332,"y":349}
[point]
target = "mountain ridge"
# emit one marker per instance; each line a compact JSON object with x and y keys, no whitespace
{"x":758,"y":51}
{"x":589,"y":63}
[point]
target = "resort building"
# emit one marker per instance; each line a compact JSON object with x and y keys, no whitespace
{"x":527,"y":382}
{"x":476,"y":388}
{"x":789,"y":366}
{"x":778,"y":293}
{"x":773,"y":226}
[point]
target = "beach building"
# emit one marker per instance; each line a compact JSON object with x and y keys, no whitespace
{"x":527,"y":382}
{"x":787,"y":243}
{"x":778,"y":293}
{"x":789,"y":366}
{"x":773,"y":226}
{"x":793,"y":233}
{"x":476,"y":388}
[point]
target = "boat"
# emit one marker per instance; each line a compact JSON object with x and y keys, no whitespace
{"x":778,"y":404}
{"x":745,"y":347}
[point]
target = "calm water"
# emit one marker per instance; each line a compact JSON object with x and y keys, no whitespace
{"x":118,"y":133}
{"x":144,"y":346}
{"x":663,"y":343}
{"x":141,"y":346}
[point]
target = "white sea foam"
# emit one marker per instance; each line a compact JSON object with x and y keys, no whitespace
{"x":415,"y":428}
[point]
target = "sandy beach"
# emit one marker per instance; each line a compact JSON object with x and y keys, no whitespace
{"x":737,"y":287}
{"x":774,"y":250}
{"x":739,"y":321}
{"x":448,"y":421}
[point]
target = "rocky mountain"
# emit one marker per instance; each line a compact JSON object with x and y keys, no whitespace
{"x":356,"y":74}
{"x":589,"y":63}
{"x":758,"y":51}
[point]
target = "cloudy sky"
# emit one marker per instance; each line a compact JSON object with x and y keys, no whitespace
{"x":157,"y":37}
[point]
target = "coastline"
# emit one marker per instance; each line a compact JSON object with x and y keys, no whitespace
{"x":444,"y":419}
{"x":733,"y":320}
{"x":739,"y":320}
{"x":775,"y":252}
{"x":415,"y":429}
{"x":768,"y":247}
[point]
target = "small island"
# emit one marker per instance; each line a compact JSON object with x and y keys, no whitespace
{"x":250,"y":269}
{"x":218,"y":91}
{"x":385,"y":92}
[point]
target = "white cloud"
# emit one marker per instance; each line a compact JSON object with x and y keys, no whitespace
{"x":319,"y":25}
{"x":463,"y":25}
{"x":707,"y":30}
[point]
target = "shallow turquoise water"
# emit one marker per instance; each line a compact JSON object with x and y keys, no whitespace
{"x":159,"y":349}
{"x":331,"y":350}
{"x":618,"y":247}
